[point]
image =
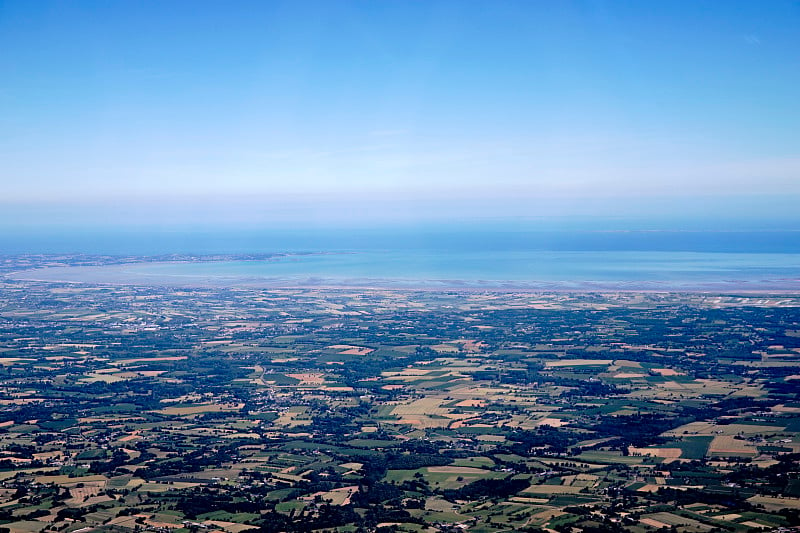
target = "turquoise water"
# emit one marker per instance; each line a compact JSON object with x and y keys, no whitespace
{"x":497,"y":266}
{"x":483,"y":255}
{"x":427,"y":268}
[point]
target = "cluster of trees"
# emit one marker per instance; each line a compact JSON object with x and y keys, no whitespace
{"x":487,"y":488}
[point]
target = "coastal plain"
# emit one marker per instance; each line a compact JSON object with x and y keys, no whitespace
{"x":224,"y":408}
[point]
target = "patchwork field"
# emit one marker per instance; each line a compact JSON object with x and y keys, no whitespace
{"x":127,"y":409}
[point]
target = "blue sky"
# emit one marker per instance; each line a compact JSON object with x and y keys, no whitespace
{"x":257,"y":111}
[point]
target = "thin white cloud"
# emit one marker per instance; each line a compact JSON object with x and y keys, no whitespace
{"x":752,"y":40}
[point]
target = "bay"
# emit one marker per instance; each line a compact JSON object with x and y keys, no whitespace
{"x":509,"y":269}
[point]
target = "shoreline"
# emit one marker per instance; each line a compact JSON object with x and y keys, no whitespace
{"x":119,"y":275}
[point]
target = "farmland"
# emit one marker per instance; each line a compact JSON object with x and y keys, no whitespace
{"x":127,"y":408}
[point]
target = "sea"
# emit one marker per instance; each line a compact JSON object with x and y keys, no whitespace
{"x":467,"y":256}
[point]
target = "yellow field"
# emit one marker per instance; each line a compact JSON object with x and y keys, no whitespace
{"x":542,"y":517}
{"x":66,"y":480}
{"x":471,"y":403}
{"x":422,"y":421}
{"x":581,"y":480}
{"x":78,"y":494}
{"x":423,"y":406}
{"x":552,"y":422}
{"x":552,"y":489}
{"x":445,"y":348}
{"x":709,"y":429}
{"x":407,"y":373}
{"x":666,"y":453}
{"x":293,"y":417}
{"x":95,"y":377}
{"x":232,"y":527}
{"x":346,"y":349}
{"x":340,"y":496}
{"x":775,"y":503}
{"x":653,"y":523}
{"x":6,"y":361}
{"x":308,"y":378}
{"x":628,"y":375}
{"x":729,"y":445}
{"x":755,"y":391}
{"x":666,"y":372}
{"x":200,"y":408}
{"x":20,"y":401}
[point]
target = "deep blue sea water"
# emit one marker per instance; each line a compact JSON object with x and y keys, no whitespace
{"x":600,"y":236}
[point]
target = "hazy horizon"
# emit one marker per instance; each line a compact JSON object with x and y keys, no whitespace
{"x":360,"y":113}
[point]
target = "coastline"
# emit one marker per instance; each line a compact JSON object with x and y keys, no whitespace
{"x":121,"y":275}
